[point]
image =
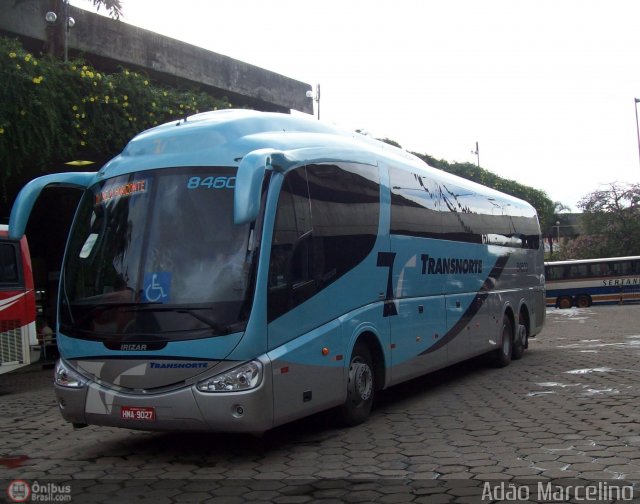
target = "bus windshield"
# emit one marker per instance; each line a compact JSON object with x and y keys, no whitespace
{"x":156,"y":255}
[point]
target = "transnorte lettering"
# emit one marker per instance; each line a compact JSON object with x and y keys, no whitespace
{"x":450,"y":265}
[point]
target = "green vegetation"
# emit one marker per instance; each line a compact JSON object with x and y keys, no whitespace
{"x":53,"y":112}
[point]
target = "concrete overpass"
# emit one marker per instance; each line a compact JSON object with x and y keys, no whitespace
{"x":108,"y":44}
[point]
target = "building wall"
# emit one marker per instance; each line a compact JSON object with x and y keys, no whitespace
{"x":108,"y":44}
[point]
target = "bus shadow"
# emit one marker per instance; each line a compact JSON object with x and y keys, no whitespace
{"x":205,"y":448}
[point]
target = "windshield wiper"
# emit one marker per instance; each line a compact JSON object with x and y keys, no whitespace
{"x":100,"y":306}
{"x":221,"y":330}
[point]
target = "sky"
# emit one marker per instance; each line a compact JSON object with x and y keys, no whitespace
{"x":546,"y":87}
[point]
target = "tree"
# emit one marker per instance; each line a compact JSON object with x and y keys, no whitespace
{"x":550,"y":231}
{"x":611,"y":223}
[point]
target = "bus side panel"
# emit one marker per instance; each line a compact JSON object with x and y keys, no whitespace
{"x":469,"y":315}
{"x":417,"y":337}
{"x":308,"y":373}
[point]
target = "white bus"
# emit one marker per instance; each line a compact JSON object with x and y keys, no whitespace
{"x":237,"y":270}
{"x":581,"y":283}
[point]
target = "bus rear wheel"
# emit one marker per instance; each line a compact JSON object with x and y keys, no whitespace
{"x":360,"y":387}
{"x":521,"y":340}
{"x":564,"y":303}
{"x":502,"y":356}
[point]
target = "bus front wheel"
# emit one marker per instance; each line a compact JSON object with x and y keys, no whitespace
{"x":583,"y":302}
{"x":360,"y":386}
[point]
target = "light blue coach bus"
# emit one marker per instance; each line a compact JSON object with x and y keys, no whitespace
{"x":236,"y":270}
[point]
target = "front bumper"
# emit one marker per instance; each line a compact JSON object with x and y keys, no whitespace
{"x":184,"y":409}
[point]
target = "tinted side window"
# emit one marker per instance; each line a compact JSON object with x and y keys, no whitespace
{"x":326,"y":224}
{"x":415,"y":205}
{"x":291,"y":231}
{"x":555,"y":272}
{"x":345,"y":205}
{"x":8,"y":264}
{"x":428,"y":208}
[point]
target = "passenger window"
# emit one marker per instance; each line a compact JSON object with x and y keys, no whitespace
{"x":345,"y":205}
{"x":290,"y":264}
{"x":326,"y":224}
{"x":8,"y":264}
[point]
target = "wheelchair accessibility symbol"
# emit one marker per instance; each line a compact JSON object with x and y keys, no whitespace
{"x":157,"y":286}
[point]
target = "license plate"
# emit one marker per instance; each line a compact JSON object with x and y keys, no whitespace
{"x":137,"y":413}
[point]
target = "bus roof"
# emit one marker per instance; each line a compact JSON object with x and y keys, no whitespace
{"x":225,"y":137}
{"x":598,"y":260}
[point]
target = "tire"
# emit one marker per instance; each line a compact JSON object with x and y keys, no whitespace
{"x":583,"y":302}
{"x":502,"y":356}
{"x":564,"y":303}
{"x":360,"y":387}
{"x":521,"y":340}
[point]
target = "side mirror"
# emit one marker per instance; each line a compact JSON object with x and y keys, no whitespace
{"x":29,"y":194}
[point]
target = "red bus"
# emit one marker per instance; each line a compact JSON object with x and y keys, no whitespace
{"x":18,"y":338}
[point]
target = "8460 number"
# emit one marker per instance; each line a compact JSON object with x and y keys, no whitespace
{"x":212,"y":182}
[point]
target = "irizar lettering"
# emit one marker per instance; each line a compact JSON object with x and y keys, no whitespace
{"x":133,"y":346}
{"x":450,"y":265}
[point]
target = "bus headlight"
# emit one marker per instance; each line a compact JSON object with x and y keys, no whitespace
{"x":244,"y":377}
{"x":67,"y":377}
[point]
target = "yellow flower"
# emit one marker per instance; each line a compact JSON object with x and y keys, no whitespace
{"x":83,"y":143}
{"x":74,"y":108}
{"x":23,"y":112}
{"x":12,"y":55}
{"x":35,"y":63}
{"x":27,"y":58}
{"x":125,"y":97}
{"x":18,"y":66}
{"x":1,"y":131}
{"x":146,"y":83}
{"x":164,"y":93}
{"x":85,"y":68}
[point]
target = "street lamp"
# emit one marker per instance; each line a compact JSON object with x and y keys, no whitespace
{"x":51,"y":18}
{"x":636,"y":100}
{"x":316,"y":98}
{"x":477,"y":153}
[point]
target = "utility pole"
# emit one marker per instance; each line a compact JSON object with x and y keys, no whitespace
{"x":477,"y":153}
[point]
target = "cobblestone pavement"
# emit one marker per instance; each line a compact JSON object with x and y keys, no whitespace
{"x":566,"y":414}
